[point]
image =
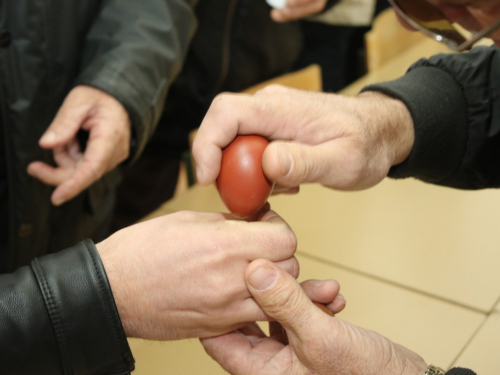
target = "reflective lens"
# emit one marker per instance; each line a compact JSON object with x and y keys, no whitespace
{"x":428,"y":19}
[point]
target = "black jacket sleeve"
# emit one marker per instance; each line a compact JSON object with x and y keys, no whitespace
{"x":58,"y":316}
{"x":133,"y":51}
{"x":460,"y":371}
{"x":455,"y":104}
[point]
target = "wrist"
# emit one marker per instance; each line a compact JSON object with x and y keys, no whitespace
{"x":393,"y":121}
{"x":418,"y":368}
{"x":411,"y":363}
{"x":118,"y":286}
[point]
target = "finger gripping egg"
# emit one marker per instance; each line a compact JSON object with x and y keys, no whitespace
{"x":242,"y":184}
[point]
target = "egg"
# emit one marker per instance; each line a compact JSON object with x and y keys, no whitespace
{"x":242,"y":185}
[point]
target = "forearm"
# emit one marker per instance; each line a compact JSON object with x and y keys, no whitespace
{"x":453,"y":102}
{"x":60,"y":314}
{"x":440,"y":125}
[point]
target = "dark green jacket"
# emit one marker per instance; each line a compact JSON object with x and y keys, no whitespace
{"x":130,"y":49}
{"x":57,"y":315}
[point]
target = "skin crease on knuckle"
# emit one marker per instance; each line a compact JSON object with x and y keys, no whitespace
{"x":288,"y":239}
{"x":219,"y":107}
{"x":291,"y":266}
{"x":356,"y":166}
{"x":281,"y":240}
{"x":271,"y":100}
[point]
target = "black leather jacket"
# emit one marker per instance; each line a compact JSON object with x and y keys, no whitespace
{"x":57,"y":316}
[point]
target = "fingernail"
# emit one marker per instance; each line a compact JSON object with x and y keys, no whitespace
{"x":318,"y":283}
{"x":49,"y":136}
{"x":285,"y":161}
{"x":263,"y":278}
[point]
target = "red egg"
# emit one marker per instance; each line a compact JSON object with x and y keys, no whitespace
{"x":242,"y":184}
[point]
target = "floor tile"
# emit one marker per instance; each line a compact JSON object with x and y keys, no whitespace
{"x":483,"y":353}
{"x":434,"y":329}
{"x":436,"y":240}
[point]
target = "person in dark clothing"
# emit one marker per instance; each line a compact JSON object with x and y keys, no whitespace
{"x":337,"y":44}
{"x":91,"y":79}
{"x":439,"y":123}
{"x":238,"y":44}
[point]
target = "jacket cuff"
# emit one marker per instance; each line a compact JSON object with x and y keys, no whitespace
{"x":440,"y":125}
{"x":82,"y":311}
{"x":460,"y":371}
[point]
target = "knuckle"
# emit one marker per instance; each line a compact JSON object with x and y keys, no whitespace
{"x":219,"y":105}
{"x":355,"y":168}
{"x":294,"y":268}
{"x":185,"y":217}
{"x":271,"y":90}
{"x":287,"y":240}
{"x":291,"y":240}
{"x":95,"y":172}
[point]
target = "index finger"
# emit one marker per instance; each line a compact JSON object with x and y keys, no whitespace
{"x":228,"y":116}
{"x":88,"y":170}
{"x":265,"y":113}
{"x":270,"y":238}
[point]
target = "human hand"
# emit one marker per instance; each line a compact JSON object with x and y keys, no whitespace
{"x":108,"y":144}
{"x":297,"y":9}
{"x":182,"y":275}
{"x":346,"y":143}
{"x":315,"y":343}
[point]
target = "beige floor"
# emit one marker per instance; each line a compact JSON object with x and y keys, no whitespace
{"x":416,"y":262}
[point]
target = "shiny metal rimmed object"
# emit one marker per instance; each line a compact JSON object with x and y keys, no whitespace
{"x":434,"y":370}
{"x":429,"y":20}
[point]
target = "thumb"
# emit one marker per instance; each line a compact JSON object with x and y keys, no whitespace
{"x":281,"y":297}
{"x":69,"y":119}
{"x":337,"y":164}
{"x":290,"y":164}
